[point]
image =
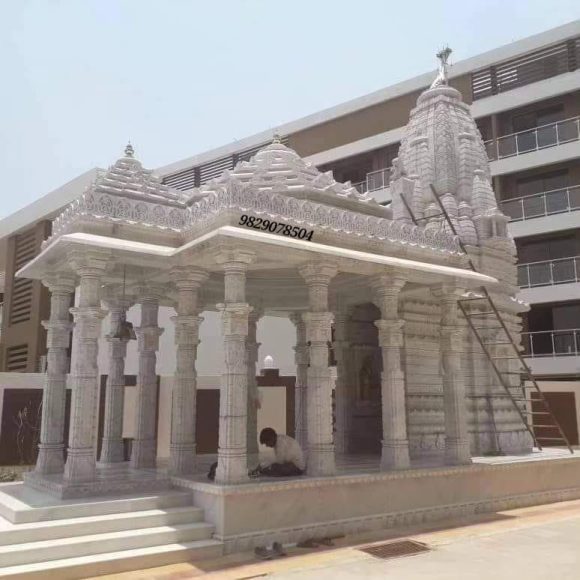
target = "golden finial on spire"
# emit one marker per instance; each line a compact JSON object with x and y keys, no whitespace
{"x":129,"y":151}
{"x":442,"y":76}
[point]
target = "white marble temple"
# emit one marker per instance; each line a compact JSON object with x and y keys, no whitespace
{"x":275,"y":236}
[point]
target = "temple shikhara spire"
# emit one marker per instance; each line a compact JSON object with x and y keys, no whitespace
{"x":442,"y":147}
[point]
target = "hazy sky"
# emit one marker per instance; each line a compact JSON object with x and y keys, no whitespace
{"x":178,"y":77}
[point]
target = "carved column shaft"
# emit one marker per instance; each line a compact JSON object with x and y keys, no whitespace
{"x":318,"y":322}
{"x":184,"y":394}
{"x":81,"y":460}
{"x":144,"y":450}
{"x":342,"y":388}
{"x":232,"y":453}
{"x":252,"y":347}
{"x":112,"y":450}
{"x":395,"y":450}
{"x":301,"y":357}
{"x":51,"y":447}
{"x":457,"y":450}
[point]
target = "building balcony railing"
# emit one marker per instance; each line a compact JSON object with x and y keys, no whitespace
{"x":374,"y":181}
{"x":549,"y":272}
{"x":542,"y":204}
{"x":534,"y":139}
{"x":552,"y":343}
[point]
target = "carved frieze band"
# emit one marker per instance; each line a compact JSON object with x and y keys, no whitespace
{"x":98,"y":207}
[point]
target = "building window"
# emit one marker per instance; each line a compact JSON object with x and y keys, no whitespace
{"x":553,"y":248}
{"x":537,"y":118}
{"x":542,"y":182}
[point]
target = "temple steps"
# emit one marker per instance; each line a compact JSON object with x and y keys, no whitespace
{"x":83,"y":538}
{"x":89,"y":545}
{"x":19,"y":504}
{"x":115,"y":562}
{"x":66,"y":528}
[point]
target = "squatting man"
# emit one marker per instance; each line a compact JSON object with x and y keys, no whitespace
{"x":288,"y":457}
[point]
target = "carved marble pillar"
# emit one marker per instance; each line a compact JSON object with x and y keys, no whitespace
{"x":51,"y":447}
{"x":318,"y":321}
{"x":88,"y":315}
{"x":252,"y":347}
{"x":112,"y":450}
{"x":184,"y":394}
{"x":395,"y":444}
{"x":301,"y":356}
{"x":144,"y":449}
{"x":343,"y":387}
{"x":454,"y":401}
{"x":232,"y":450}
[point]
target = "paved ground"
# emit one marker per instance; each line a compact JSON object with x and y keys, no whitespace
{"x":532,"y":543}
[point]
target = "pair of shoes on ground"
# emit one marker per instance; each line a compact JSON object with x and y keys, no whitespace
{"x":276,"y":551}
{"x":316,"y":542}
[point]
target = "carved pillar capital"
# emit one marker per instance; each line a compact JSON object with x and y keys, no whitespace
{"x":318,"y":272}
{"x":390,"y":332}
{"x":188,"y":278}
{"x":60,"y":284}
{"x":145,"y":292}
{"x":89,"y":262}
{"x":231,"y":258}
{"x":386,"y":290}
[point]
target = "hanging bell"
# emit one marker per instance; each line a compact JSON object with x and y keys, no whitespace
{"x":124,"y":331}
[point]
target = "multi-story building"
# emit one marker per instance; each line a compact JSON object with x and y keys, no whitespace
{"x":525,"y":97}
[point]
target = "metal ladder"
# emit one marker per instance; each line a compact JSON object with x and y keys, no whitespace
{"x":528,"y":405}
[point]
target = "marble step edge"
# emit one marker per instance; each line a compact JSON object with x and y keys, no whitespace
{"x":63,"y":548}
{"x":115,"y":562}
{"x":99,"y":524}
{"x":16,"y":510}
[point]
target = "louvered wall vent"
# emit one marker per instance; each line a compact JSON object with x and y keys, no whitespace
{"x":17,"y":358}
{"x":21,"y":299}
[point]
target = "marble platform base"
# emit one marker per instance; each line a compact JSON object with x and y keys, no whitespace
{"x":257,"y":513}
{"x":115,"y":479}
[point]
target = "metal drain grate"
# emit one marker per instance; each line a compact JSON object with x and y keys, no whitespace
{"x":395,"y":549}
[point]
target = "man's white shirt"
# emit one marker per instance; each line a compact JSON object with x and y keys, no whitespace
{"x":287,"y":450}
